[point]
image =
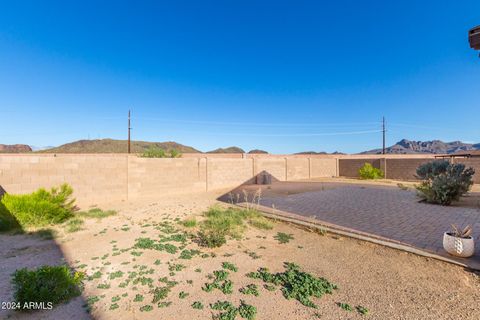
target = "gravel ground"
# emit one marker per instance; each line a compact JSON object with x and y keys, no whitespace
{"x":390,"y":283}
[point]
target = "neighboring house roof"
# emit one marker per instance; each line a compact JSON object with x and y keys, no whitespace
{"x":465,"y":154}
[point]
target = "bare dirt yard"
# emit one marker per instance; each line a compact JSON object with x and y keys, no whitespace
{"x":127,"y":281}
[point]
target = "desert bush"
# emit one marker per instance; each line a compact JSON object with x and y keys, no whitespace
{"x":40,"y":208}
{"x":47,"y":284}
{"x":443,"y":182}
{"x":155,"y":152}
{"x":221,"y":223}
{"x":370,"y":172}
{"x":211,"y":239}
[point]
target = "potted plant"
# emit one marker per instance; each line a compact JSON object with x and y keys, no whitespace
{"x":459,"y":242}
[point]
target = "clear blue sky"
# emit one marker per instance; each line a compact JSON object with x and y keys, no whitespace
{"x":284,"y":76}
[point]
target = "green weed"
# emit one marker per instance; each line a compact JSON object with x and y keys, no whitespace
{"x":229,"y":266}
{"x":282,"y":237}
{"x":296,"y":284}
{"x":55,"y":284}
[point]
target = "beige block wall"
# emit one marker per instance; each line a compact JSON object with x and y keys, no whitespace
{"x":228,"y":173}
{"x":94,"y":178}
{"x":149,"y":177}
{"x":275,"y":166}
{"x":298,"y":168}
{"x":320,"y":167}
{"x":104,"y":178}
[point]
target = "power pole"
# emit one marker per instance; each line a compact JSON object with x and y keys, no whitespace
{"x":383,"y":132}
{"x":129,"y":128}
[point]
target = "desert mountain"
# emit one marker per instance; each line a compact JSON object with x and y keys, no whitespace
{"x":228,"y":150}
{"x":116,"y":146}
{"x":14,"y":148}
{"x":405,"y":146}
{"x":257,"y":151}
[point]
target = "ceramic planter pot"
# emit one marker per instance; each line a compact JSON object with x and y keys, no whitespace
{"x":459,"y":247}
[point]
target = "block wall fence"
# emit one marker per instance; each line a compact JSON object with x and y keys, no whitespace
{"x":101,"y":178}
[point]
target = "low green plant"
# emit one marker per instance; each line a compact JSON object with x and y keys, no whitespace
{"x":146,"y":308}
{"x":189,"y":223}
{"x":197,"y":305}
{"x":115,"y":275}
{"x":74,"y":225}
{"x":230,"y":312}
{"x":345,"y":306}
{"x":229,"y":266}
{"x":296,"y":284}
{"x":211,"y":239}
{"x":368,"y":171}
{"x":183,"y":295}
{"x":47,"y":284}
{"x":37,"y":209}
{"x":221,"y":223}
{"x":247,"y":311}
{"x":362,"y":310}
{"x":138,"y":298}
{"x":282,"y":237}
{"x":188,"y":254}
{"x":250,"y":289}
{"x":96,"y":213}
{"x":220,"y":282}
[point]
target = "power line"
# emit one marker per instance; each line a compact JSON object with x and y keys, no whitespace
{"x":266,"y":124}
{"x":282,"y":135}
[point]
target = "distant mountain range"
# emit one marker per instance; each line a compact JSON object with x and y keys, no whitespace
{"x":116,"y":146}
{"x":120,"y":146}
{"x":228,"y":150}
{"x":405,"y":146}
{"x":14,"y":148}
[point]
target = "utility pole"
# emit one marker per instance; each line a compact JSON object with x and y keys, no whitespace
{"x":129,"y":128}
{"x":383,"y":132}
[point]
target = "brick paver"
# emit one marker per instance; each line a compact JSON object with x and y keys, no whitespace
{"x":387,"y":212}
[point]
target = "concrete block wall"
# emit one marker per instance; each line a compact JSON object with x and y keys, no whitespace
{"x":323,"y":167}
{"x":403,"y":169}
{"x":100,"y":178}
{"x":93,"y":177}
{"x":149,"y":177}
{"x":399,"y":168}
{"x":350,"y":167}
{"x":298,"y":168}
{"x":275,"y":166}
{"x":471,"y":162}
{"x":226,"y":173}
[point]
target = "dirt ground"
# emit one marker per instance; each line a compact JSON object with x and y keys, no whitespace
{"x":391,"y":284}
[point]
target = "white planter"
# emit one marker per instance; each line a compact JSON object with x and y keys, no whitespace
{"x":459,"y":247}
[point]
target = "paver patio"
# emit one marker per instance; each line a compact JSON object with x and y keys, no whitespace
{"x":381,"y":211}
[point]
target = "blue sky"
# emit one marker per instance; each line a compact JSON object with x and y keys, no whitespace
{"x":284,"y":76}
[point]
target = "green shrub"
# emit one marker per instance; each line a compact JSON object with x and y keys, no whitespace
{"x":47,"y":284}
{"x":443,"y":182}
{"x":370,"y":172}
{"x":39,"y":208}
{"x":155,"y":152}
{"x":228,"y":222}
{"x":211,"y":239}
